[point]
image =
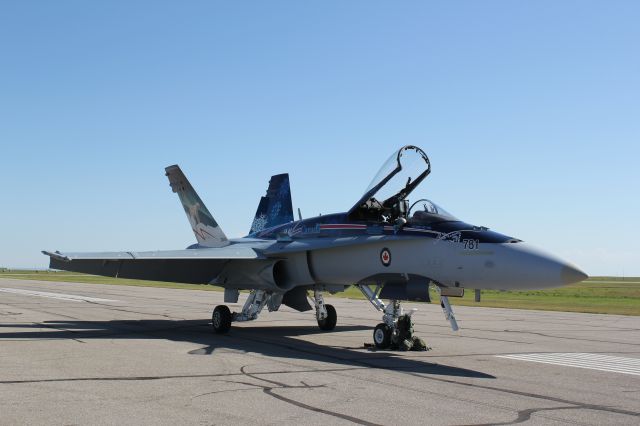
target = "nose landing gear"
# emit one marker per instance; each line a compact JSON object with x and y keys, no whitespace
{"x":382,"y":336}
{"x":396,"y":330}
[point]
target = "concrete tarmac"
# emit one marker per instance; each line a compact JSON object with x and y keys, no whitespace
{"x":98,"y":354}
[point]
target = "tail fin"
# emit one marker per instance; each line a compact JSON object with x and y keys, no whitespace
{"x":275,"y":208}
{"x":207,"y":231}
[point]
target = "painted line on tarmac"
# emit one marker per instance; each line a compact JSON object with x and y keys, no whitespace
{"x":59,"y":296}
{"x":613,"y":364}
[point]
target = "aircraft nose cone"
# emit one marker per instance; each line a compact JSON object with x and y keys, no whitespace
{"x":572,"y":275}
{"x":521,"y":266}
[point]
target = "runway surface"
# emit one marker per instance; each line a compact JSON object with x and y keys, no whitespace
{"x":98,"y":354}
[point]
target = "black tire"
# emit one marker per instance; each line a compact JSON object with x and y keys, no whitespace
{"x":329,"y":323}
{"x":382,"y":336}
{"x":221,"y":319}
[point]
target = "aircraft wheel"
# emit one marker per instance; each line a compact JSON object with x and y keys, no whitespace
{"x":221,"y":319}
{"x":329,"y":323}
{"x":382,"y":336}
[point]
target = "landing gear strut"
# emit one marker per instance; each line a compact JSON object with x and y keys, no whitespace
{"x":222,"y":317}
{"x":325,"y":314}
{"x":396,"y":330}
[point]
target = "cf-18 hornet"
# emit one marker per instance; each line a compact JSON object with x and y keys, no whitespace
{"x":388,"y":247}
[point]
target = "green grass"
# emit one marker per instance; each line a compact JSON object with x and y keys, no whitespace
{"x":600,"y":295}
{"x":604,"y":295}
{"x":75,"y":277}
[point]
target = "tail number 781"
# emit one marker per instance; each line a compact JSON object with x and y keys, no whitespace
{"x":470,"y":244}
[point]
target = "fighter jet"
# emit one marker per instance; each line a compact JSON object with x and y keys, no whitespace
{"x":388,"y":247}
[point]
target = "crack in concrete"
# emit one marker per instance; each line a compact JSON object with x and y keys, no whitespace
{"x":575,"y":404}
{"x":269,"y":390}
{"x":168,"y":377}
{"x":525,"y":415}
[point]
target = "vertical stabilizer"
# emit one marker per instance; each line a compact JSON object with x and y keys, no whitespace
{"x":275,"y":208}
{"x":204,"y":226}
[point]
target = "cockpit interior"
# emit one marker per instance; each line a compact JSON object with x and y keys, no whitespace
{"x":385,"y":199}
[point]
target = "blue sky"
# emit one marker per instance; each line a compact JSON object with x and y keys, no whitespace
{"x":529,"y":111}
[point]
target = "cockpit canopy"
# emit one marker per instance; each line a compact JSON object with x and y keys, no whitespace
{"x":386,"y":197}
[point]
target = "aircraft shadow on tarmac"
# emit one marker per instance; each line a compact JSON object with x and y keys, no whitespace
{"x":269,"y":341}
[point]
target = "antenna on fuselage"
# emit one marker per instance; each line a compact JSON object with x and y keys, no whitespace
{"x":299,"y":214}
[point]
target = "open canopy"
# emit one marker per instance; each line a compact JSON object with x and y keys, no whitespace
{"x":387,"y":192}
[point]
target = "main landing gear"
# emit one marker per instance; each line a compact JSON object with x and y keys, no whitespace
{"x":222,"y":317}
{"x":396,"y":329}
{"x":325,"y":314}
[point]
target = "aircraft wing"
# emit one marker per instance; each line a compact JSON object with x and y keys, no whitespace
{"x":196,"y":266}
{"x":241,"y":263}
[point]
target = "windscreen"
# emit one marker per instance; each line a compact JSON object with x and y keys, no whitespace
{"x":424,"y":212}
